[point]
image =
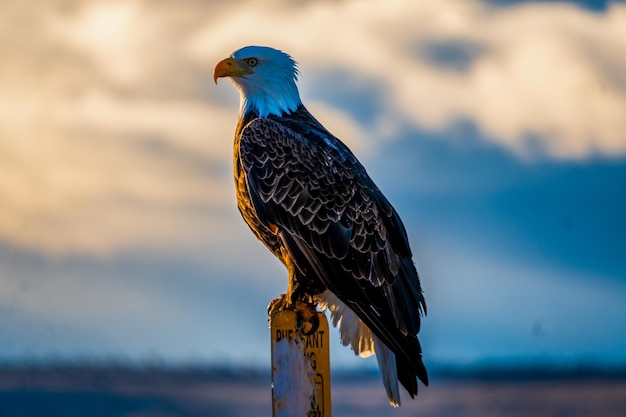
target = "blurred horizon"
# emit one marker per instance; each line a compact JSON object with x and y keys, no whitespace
{"x":488,"y":369}
{"x":496,"y":128}
{"x":158,"y":392}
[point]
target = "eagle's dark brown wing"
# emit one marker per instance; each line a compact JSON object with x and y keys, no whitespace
{"x":338,"y":227}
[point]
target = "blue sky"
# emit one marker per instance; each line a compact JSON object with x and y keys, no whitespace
{"x":497,"y":129}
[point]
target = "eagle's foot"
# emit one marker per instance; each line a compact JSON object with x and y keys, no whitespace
{"x":306,"y":313}
{"x":279,"y":304}
{"x":308,"y":321}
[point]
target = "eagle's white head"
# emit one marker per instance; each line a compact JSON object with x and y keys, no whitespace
{"x":265,"y":77}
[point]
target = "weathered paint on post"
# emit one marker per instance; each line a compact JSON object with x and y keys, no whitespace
{"x":314,"y":349}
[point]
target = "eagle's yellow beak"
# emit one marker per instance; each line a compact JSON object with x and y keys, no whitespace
{"x":229,"y":67}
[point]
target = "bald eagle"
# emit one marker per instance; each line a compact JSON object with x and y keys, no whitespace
{"x":310,"y":201}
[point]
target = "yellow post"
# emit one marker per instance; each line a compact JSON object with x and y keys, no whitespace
{"x":300,"y":367}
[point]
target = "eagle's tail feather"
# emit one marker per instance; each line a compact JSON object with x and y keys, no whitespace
{"x":387,"y":365}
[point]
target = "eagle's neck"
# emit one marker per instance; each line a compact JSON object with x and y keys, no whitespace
{"x":270,"y":97}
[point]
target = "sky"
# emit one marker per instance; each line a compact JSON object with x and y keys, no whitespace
{"x":496,"y":128}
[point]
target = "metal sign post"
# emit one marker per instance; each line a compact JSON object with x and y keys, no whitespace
{"x":300,"y":367}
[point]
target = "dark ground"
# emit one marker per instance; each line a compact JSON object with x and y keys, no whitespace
{"x":158,"y":392}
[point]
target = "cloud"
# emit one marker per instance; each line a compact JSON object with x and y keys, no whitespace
{"x":461,"y":322}
{"x":99,"y":151}
{"x":113,"y":137}
{"x":546,"y":78}
{"x":98,"y":172}
{"x":129,"y":306}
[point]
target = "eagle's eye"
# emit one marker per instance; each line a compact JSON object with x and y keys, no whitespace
{"x":252,"y":62}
